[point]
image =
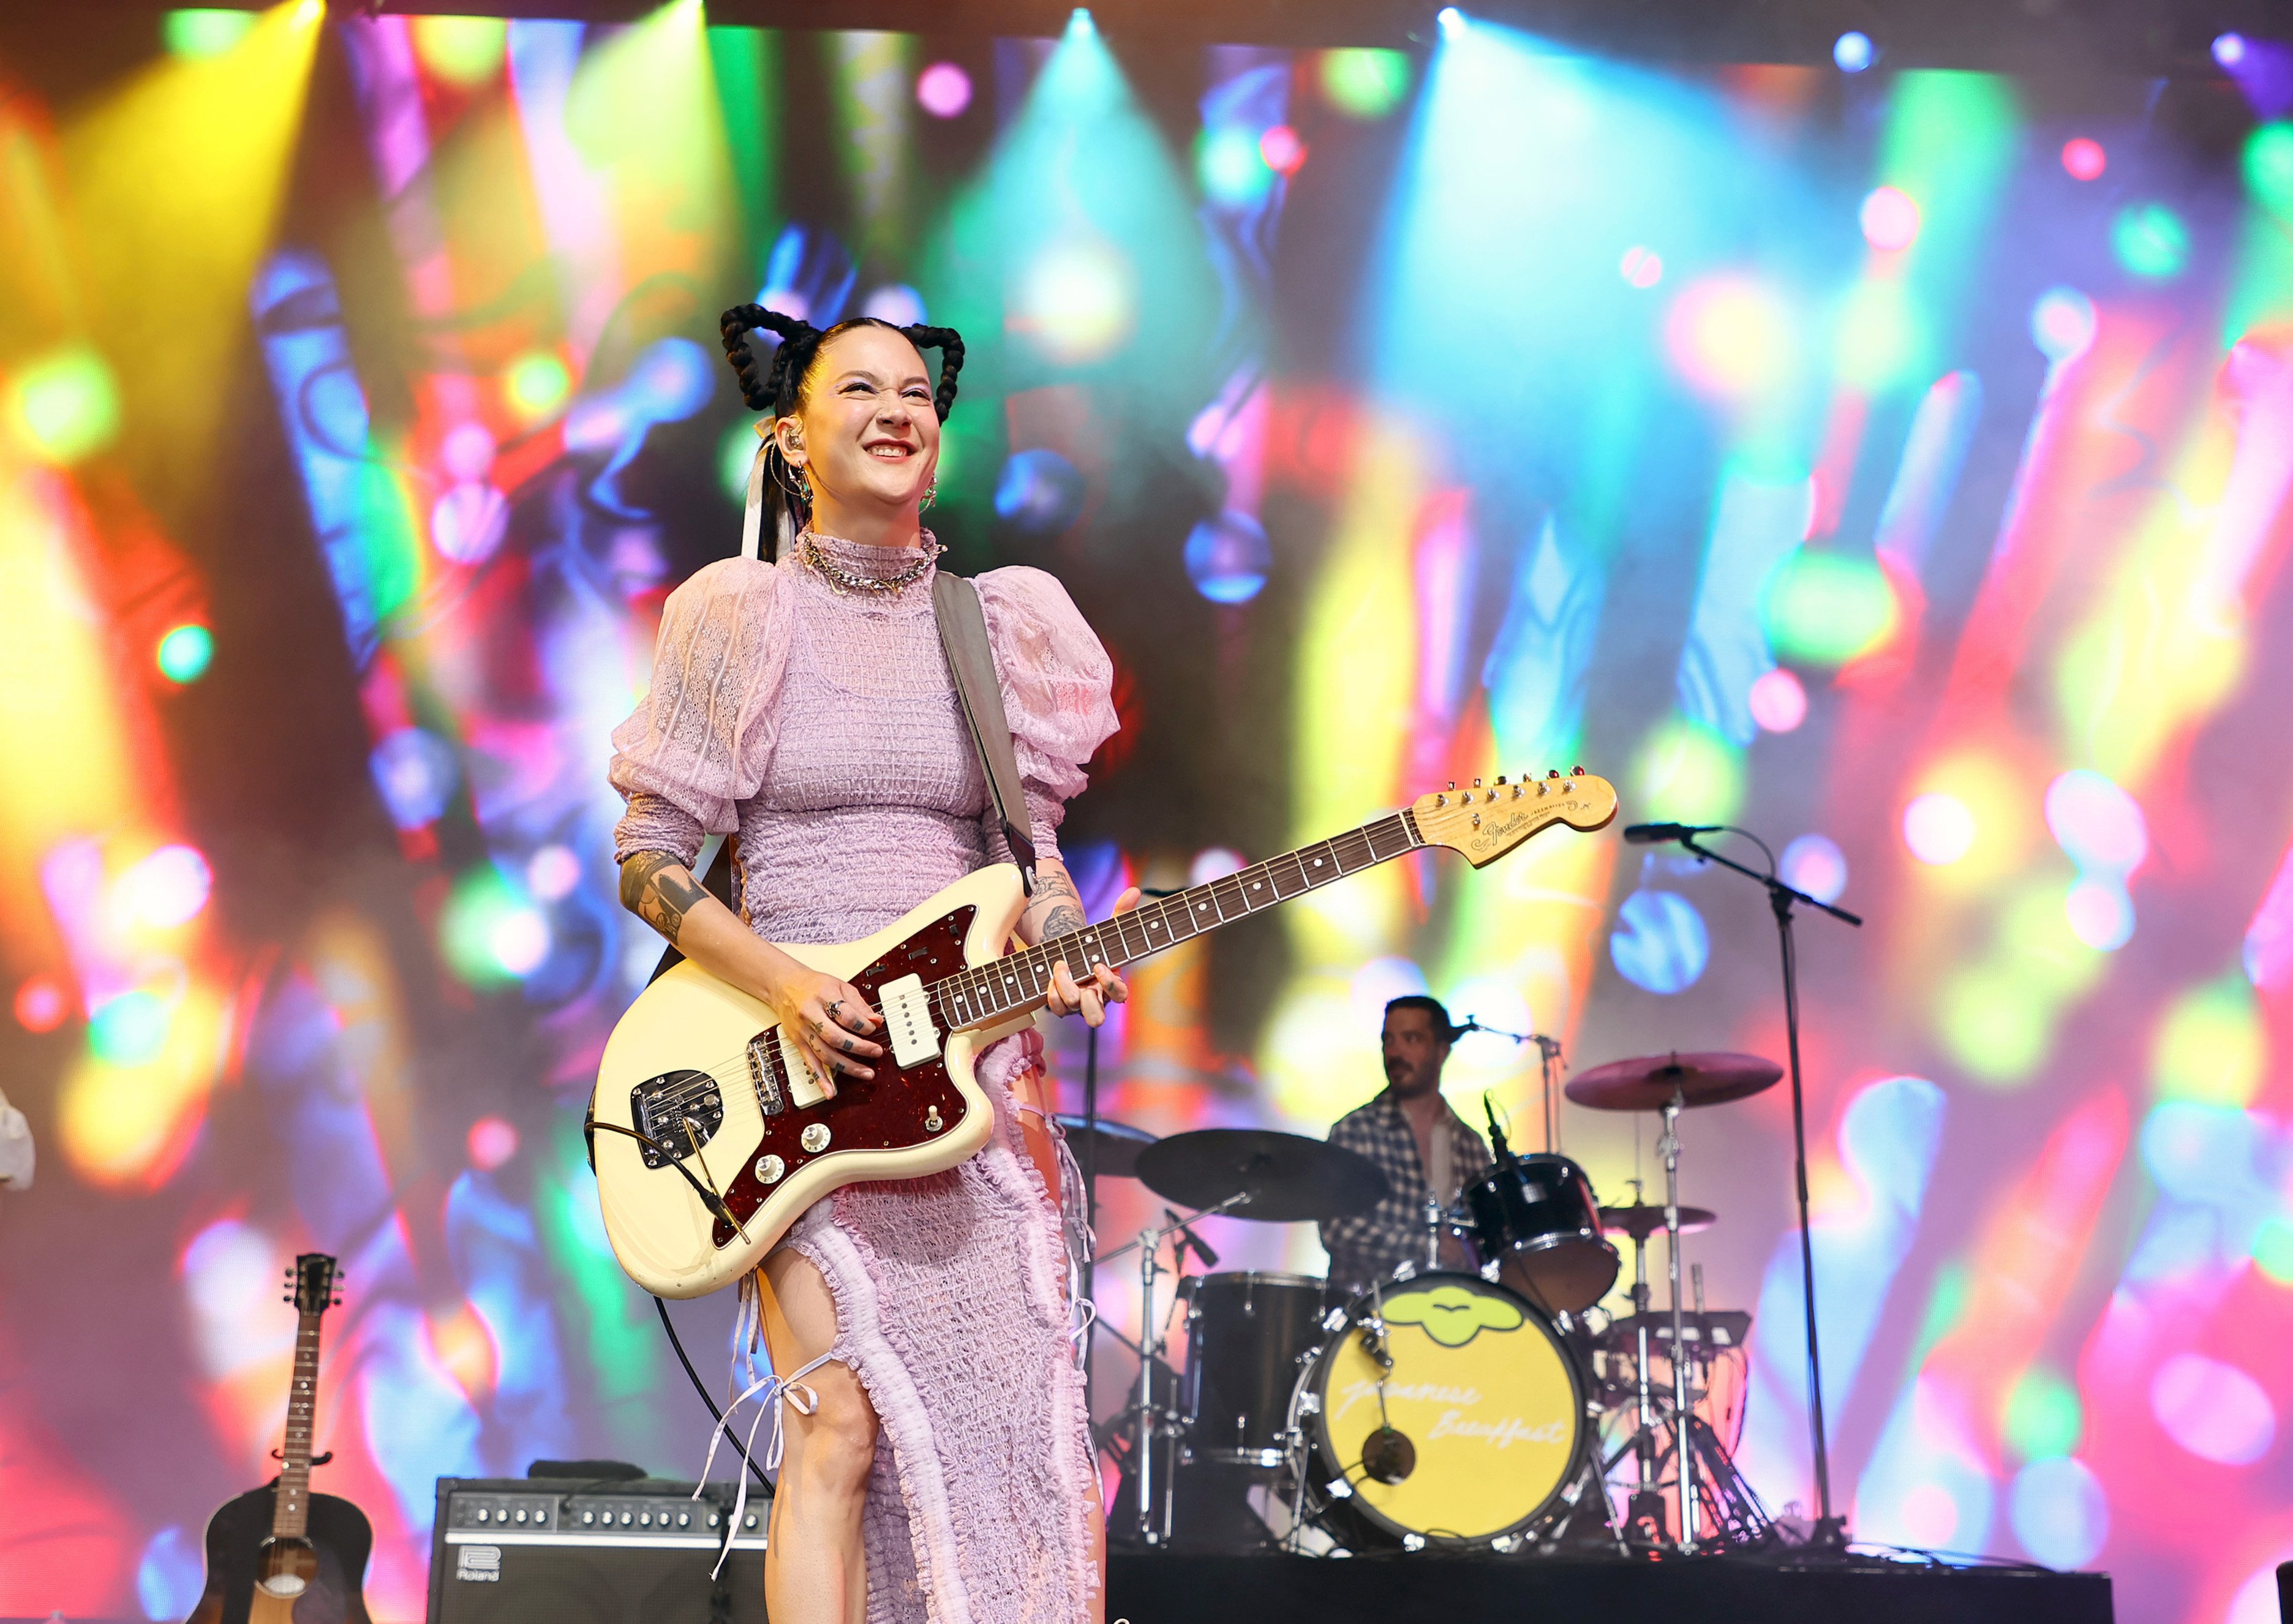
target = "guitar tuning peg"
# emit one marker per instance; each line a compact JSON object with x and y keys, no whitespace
{"x":1500,"y":779}
{"x":1477,"y":783}
{"x":1453,"y":783}
{"x":1554,"y":773}
{"x":1575,"y":773}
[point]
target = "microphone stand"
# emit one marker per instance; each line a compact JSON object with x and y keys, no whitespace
{"x":1830,"y":1531}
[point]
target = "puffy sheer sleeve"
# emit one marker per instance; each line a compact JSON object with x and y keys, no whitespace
{"x":1057,"y":687}
{"x":696,"y":745}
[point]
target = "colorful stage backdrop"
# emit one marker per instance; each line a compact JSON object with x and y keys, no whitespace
{"x":1895,"y":463}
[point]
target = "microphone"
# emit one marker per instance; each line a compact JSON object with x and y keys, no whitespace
{"x":1497,"y":1133}
{"x":1187,"y":1237}
{"x":1656,"y":834}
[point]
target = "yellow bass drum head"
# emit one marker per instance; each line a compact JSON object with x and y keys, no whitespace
{"x":1481,"y":1388}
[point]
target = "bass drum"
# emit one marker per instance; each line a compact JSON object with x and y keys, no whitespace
{"x":1488,"y":1399}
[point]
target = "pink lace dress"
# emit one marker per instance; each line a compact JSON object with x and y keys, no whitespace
{"x":825,"y":730}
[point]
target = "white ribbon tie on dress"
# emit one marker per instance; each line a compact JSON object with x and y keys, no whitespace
{"x":769,"y":1391}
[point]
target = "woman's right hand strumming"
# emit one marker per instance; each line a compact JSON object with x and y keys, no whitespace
{"x":827,"y":1019}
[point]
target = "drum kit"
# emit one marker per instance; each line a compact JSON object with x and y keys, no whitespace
{"x":1435,"y":1408}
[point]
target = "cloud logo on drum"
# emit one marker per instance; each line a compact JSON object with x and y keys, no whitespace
{"x":1452,"y":1315}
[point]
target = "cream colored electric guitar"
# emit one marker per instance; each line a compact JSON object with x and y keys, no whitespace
{"x":711,"y":1135}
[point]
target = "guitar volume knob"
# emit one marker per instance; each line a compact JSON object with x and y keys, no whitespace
{"x":814,"y":1137}
{"x":769,"y":1169}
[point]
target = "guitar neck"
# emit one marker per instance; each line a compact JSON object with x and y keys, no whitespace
{"x":291,"y":1517}
{"x":1020,"y":982}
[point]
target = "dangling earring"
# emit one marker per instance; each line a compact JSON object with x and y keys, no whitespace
{"x":931,"y":493}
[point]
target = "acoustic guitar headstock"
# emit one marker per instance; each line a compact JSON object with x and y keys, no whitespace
{"x":1487,"y":820}
{"x":311,"y":1283}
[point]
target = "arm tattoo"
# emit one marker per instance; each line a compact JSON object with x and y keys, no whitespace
{"x":660,"y":890}
{"x":1061,"y":906}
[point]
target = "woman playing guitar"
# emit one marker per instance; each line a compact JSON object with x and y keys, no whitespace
{"x":943,"y":1468}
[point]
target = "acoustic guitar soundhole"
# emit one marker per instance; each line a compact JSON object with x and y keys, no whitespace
{"x":682,"y":1110}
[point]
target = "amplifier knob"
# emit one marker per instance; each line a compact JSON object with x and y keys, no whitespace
{"x":644,"y":1519}
{"x":684,"y":1518}
{"x":588,"y":1517}
{"x":521,"y":1515}
{"x":769,"y":1169}
{"x":625,"y":1519}
{"x":814,"y":1137}
{"x":483,"y":1515}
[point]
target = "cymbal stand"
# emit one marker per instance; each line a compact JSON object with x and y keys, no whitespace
{"x":1683,"y":1440}
{"x":1646,"y":1501}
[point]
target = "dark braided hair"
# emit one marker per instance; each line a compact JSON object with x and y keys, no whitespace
{"x":781,"y":390}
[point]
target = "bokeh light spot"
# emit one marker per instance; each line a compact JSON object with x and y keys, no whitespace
{"x":1815,"y":864}
{"x":1688,"y":774}
{"x":2059,"y":1511}
{"x":2101,"y":914}
{"x":2044,"y":1418}
{"x":2097,"y":824}
{"x":553,"y":872}
{"x":2268,"y":163}
{"x":1228,"y":557}
{"x":736,"y":450}
{"x":1660,"y":943}
{"x":487,"y":930}
{"x":2062,"y":324}
{"x":2150,"y":241}
{"x":1879,"y":334}
{"x":1283,"y":150}
{"x":1039,"y":492}
{"x":1215,"y":863}
{"x":1939,"y":828}
{"x":1076,"y":300}
{"x":63,"y":406}
{"x":1825,"y":608}
{"x":2273,"y":1250}
{"x":2083,"y":159}
{"x":2213,"y":1409}
{"x":2229,"y":49}
{"x":1854,"y":51}
{"x":491,"y":1142}
{"x":1777,"y":700}
{"x":1642,"y":268}
{"x":1230,"y":166}
{"x":1730,"y":336}
{"x":943,"y":90}
{"x":1889,"y":219}
{"x":40,"y":1004}
{"x":166,"y":889}
{"x":185,"y":653}
{"x":1364,"y":83}
{"x":2210,"y":1047}
{"x":536,"y":385}
{"x":129,"y":1029}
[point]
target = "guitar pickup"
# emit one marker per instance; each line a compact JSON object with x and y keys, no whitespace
{"x":764,"y":1072}
{"x":908,"y":1020}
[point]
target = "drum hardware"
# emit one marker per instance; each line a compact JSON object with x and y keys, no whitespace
{"x":1535,"y":1218}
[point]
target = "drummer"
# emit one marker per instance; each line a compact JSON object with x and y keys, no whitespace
{"x":1416,"y":1141}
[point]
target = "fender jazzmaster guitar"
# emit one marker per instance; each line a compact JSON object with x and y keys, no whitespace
{"x":711,"y":1135}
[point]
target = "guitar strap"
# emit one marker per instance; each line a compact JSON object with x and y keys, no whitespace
{"x":963,"y":634}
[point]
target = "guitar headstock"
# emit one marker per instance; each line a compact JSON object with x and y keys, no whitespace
{"x":311,"y":1283}
{"x":1488,"y":820}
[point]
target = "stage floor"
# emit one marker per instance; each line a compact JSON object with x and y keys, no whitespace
{"x":1436,"y":1589}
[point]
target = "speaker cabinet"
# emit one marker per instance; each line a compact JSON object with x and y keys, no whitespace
{"x":537,"y":1550}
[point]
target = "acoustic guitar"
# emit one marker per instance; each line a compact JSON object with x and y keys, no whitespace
{"x":711,"y":1135}
{"x":281,"y":1555}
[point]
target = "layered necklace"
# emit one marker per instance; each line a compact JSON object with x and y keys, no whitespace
{"x":851,"y":581}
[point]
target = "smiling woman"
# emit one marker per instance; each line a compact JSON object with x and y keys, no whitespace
{"x":804,"y":705}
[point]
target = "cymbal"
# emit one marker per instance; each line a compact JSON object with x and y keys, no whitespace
{"x":1648,"y":1083}
{"x":1288,"y":1178}
{"x":1640,"y":1220}
{"x":1715,"y":1329}
{"x":1112,"y":1152}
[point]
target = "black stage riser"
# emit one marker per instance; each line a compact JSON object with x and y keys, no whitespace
{"x":1432,"y":1589}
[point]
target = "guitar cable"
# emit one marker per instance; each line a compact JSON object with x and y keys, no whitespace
{"x":763,"y":1483}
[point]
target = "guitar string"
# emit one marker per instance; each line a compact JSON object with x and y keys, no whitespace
{"x":1218,"y":893}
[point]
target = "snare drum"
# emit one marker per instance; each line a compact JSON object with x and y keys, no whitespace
{"x":1490,"y":1404}
{"x":1538,"y":1220}
{"x":1246,"y":1333}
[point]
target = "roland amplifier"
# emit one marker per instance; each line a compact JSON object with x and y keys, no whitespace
{"x":539,"y":1550}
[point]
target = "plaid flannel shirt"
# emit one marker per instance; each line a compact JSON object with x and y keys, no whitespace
{"x":1393,"y":1231}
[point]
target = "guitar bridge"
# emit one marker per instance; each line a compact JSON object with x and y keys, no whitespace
{"x":764,"y":1071}
{"x":680,"y":1109}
